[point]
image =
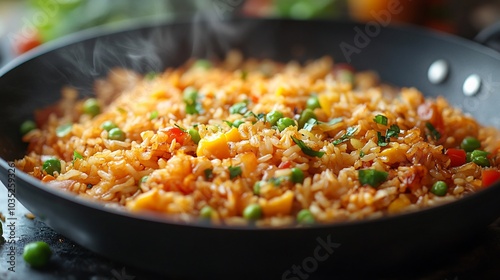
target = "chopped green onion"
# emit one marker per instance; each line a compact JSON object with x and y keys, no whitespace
{"x":64,"y":130}
{"x":333,"y":121}
{"x":208,"y":173}
{"x":381,"y":140}
{"x":239,"y":108}
{"x":372,"y":177}
{"x":243,"y":75}
{"x":380,"y":119}
{"x":52,"y":165}
{"x":310,"y":124}
{"x":392,"y":131}
{"x":434,"y":133}
{"x":349,"y":133}
{"x":234,"y":171}
{"x":76,"y":155}
{"x":276,"y":181}
{"x":180,"y":127}
{"x":361,"y":154}
{"x":306,"y":150}
{"x":237,"y":123}
{"x":305,"y":116}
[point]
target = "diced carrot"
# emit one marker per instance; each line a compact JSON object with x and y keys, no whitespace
{"x":249,"y":163}
{"x":281,"y":205}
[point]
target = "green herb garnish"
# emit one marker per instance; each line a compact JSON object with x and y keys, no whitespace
{"x":208,"y":173}
{"x":349,"y":133}
{"x":434,"y":133}
{"x":306,"y":150}
{"x":234,"y":171}
{"x":239,"y":108}
{"x":380,"y":119}
{"x":63,"y":130}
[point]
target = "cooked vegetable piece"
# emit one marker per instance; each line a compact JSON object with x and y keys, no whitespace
{"x":206,"y":212}
{"x":490,"y":176}
{"x":440,"y":188}
{"x":313,"y":102}
{"x":116,"y":134}
{"x":305,"y":149}
{"x":372,"y":177}
{"x":190,"y":97}
{"x":195,"y":135}
{"x":297,"y":175}
{"x":51,"y":166}
{"x":256,"y":187}
{"x":37,"y":254}
{"x":305,"y":217}
{"x":305,"y":116}
{"x":273,"y":117}
{"x":234,"y":171}
{"x":237,"y":123}
{"x":470,"y":144}
{"x":64,"y":130}
{"x":433,"y":131}
{"x":284,"y":123}
{"x":252,"y":212}
{"x":457,"y":157}
{"x":108,"y":125}
{"x":91,"y":107}
{"x":27,"y":126}
{"x":380,"y":119}
{"x":349,"y":133}
{"x":239,"y":108}
{"x":153,"y":115}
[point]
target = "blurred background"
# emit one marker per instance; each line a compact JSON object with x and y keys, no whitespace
{"x":29,"y":23}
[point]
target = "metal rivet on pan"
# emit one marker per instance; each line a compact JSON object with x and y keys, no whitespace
{"x":438,"y":71}
{"x":472,"y":85}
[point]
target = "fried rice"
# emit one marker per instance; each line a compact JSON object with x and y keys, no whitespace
{"x":230,"y":142}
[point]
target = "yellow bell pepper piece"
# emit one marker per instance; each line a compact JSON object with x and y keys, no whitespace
{"x":217,"y":146}
{"x":281,"y":205}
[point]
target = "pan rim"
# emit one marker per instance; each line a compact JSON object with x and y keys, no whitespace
{"x":97,"y":32}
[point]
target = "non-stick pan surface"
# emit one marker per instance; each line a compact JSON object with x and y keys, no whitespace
{"x":401,"y":55}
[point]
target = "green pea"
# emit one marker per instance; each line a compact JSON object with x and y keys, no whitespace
{"x":256,"y":187}
{"x":439,"y":188}
{"x":108,"y":125}
{"x":305,"y":116}
{"x":284,"y":123}
{"x":51,"y":166}
{"x":305,"y":217}
{"x":237,"y":123}
{"x":27,"y":126}
{"x":252,"y":212}
{"x":37,"y":254}
{"x":478,"y":153}
{"x":91,"y":107}
{"x":313,"y":102}
{"x":206,"y":212}
{"x":470,"y":144}
{"x":273,"y":117}
{"x":116,"y":134}
{"x":195,"y":135}
{"x":297,"y":175}
{"x":190,"y":95}
{"x":468,"y":157}
{"x":481,"y":161}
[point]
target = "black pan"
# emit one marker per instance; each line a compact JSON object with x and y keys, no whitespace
{"x":401,"y":55}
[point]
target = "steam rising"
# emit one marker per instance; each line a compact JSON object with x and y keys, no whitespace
{"x":205,"y":35}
